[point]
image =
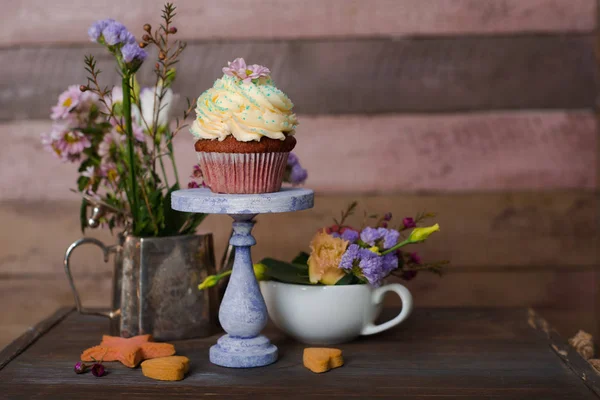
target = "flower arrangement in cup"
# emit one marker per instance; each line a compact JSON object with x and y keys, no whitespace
{"x":344,"y":255}
{"x":122,"y":137}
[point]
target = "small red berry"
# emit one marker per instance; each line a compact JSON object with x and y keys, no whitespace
{"x":79,"y":367}
{"x":98,"y":370}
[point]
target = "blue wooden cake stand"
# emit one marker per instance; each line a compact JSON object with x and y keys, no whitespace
{"x":243,"y":313}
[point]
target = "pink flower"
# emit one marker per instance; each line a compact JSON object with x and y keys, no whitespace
{"x":119,"y":125}
{"x":236,"y":67}
{"x":108,"y":170}
{"x":109,"y":144}
{"x":67,"y":101}
{"x":256,"y":71}
{"x":197,"y":179}
{"x":239,"y":69}
{"x":73,"y":143}
{"x":65,"y":143}
{"x":49,"y":143}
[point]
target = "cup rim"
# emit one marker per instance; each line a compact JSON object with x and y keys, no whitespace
{"x":317,"y":287}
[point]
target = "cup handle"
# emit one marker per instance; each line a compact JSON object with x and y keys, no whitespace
{"x":377,"y":297}
{"x":106,"y":251}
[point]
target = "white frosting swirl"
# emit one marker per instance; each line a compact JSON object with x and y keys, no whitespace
{"x":248,"y":111}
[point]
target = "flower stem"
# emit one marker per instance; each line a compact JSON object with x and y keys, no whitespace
{"x":130,"y":147}
{"x":396,"y":247}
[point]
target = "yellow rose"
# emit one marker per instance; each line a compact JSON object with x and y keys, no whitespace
{"x":420,"y":234}
{"x":326,"y":253}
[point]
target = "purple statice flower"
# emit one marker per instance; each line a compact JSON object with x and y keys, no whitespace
{"x":127,"y":37}
{"x":97,"y":27}
{"x":382,"y":237}
{"x":390,"y":238}
{"x":113,"y":32}
{"x":292,"y":160}
{"x":350,"y":235}
{"x":370,"y":235}
{"x":131,"y":52}
{"x":390,"y":263}
{"x":298,"y":175}
{"x":371,"y":265}
{"x":350,"y":255}
{"x":376,"y":268}
{"x":67,"y":101}
{"x":408,"y":222}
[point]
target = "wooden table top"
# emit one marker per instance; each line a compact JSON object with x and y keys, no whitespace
{"x":449,"y":353}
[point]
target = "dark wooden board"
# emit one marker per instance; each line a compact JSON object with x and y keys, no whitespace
{"x":21,"y":344}
{"x":345,"y":76}
{"x":450,"y":353}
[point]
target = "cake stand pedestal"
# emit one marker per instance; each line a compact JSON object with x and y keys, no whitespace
{"x":243,"y":313}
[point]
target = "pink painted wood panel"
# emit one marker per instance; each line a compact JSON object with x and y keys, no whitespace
{"x":62,"y":21}
{"x":495,"y":151}
{"x":462,"y":152}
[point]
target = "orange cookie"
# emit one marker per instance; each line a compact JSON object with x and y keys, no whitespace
{"x":320,"y":360}
{"x":129,"y":351}
{"x":171,"y":368}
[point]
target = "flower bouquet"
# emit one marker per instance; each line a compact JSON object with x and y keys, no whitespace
{"x":344,"y":255}
{"x":122,"y":137}
{"x":334,"y":294}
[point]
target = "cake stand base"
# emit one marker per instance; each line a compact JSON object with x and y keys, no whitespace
{"x":235,"y":352}
{"x":243,"y":313}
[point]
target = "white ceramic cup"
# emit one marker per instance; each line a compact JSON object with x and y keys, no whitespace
{"x":330,"y":314}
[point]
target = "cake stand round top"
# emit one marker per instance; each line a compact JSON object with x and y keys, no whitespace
{"x":205,"y":201}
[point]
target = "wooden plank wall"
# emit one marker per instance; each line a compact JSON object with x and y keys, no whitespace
{"x":483,"y":111}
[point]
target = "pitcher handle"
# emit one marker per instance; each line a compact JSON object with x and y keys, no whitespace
{"x":106,"y":251}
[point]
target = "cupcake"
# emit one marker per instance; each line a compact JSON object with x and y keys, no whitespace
{"x":244,"y":128}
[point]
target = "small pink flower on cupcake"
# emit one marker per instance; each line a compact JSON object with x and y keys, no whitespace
{"x":246,"y":73}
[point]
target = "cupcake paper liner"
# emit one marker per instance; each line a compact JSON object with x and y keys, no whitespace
{"x":237,"y":173}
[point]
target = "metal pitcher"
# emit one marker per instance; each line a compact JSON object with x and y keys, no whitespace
{"x":155,"y":286}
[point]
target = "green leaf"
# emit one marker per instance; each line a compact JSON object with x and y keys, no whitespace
{"x":87,"y":163}
{"x":286,"y":272}
{"x":173,"y":220}
{"x":301,"y":258}
{"x":347,"y":279}
{"x":82,"y":183}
